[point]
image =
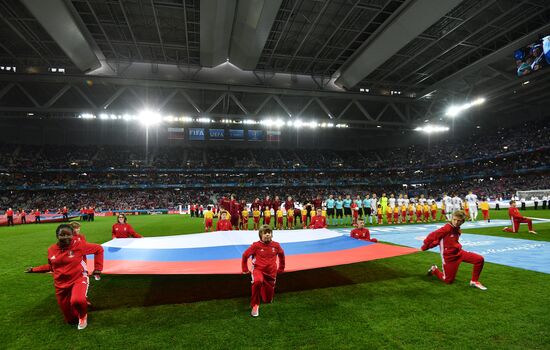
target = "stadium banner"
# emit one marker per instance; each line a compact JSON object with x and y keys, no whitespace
{"x":216,"y":134}
{"x":236,"y":134}
{"x":273,"y":135}
{"x":176,"y":133}
{"x":196,"y":134}
{"x":255,"y":135}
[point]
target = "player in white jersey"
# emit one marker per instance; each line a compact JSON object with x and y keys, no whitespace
{"x":448,"y":202}
{"x":422,"y":199}
{"x":406,"y":200}
{"x":391,"y":201}
{"x":472,"y":205}
{"x":456,"y":203}
{"x":374,"y":206}
{"x":400,"y":201}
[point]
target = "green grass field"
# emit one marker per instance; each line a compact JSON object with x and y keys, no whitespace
{"x":383,"y":304}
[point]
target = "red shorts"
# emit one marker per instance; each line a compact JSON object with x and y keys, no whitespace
{"x":280,"y":220}
{"x":208,"y":223}
{"x":256,"y":219}
{"x":267,"y":220}
{"x":234,"y":220}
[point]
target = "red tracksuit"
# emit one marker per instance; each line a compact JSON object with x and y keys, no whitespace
{"x":224,"y":225}
{"x":317,"y":203}
{"x":234,"y":211}
{"x":70,"y":276}
{"x":264,"y":269}
{"x":452,"y":254}
{"x":77,"y":238}
{"x":124,"y":231}
{"x":318,"y":221}
{"x":362,"y":234}
{"x":517,"y":219}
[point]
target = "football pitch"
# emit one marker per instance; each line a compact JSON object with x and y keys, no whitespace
{"x":381,"y":304}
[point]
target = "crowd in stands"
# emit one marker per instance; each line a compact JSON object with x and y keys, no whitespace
{"x":43,"y":176}
{"x":504,"y":142}
{"x":129,"y":199}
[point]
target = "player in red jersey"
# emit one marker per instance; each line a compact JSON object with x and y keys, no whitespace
{"x":23,"y":216}
{"x":255,"y":205}
{"x":354,"y":213}
{"x":452,"y":254}
{"x":264,"y":255}
{"x":121,"y":229}
{"x":276,"y":204}
{"x":318,"y":221}
{"x":267,"y":203}
{"x":517,"y":219}
{"x":70,"y":274}
{"x":289,"y":204}
{"x":224,"y":204}
{"x":65,"y":213}
{"x":361,"y":232}
{"x":223,"y":224}
{"x":9,"y":216}
{"x":317,"y":202}
{"x":234,"y":212}
{"x":37,"y":216}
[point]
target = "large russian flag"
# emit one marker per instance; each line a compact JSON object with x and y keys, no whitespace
{"x":220,"y":252}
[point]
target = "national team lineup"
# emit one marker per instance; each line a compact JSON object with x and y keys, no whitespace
{"x":337,"y":210}
{"x":68,"y":263}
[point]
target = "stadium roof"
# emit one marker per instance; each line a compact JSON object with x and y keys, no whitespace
{"x":368,"y":62}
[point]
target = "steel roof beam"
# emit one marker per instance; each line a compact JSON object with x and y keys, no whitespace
{"x":67,"y":30}
{"x":387,"y":42}
{"x":216,"y":25}
{"x":253,"y":22}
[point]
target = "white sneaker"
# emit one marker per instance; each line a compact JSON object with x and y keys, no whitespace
{"x":82,"y":322}
{"x":477,"y":285}
{"x":431,"y":270}
{"x":255,"y":311}
{"x":533,"y":232}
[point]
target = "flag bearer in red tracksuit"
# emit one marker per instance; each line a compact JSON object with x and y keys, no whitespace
{"x":264,"y":255}
{"x":121,"y":229}
{"x":361,"y":232}
{"x":70,"y":274}
{"x":517,"y":219}
{"x":77,"y":236}
{"x":452,"y":254}
{"x":318,"y":221}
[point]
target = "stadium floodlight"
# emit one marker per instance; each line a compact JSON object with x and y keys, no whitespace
{"x":87,"y":116}
{"x":204,"y":120}
{"x":168,"y":118}
{"x":432,"y":128}
{"x":453,"y":111}
{"x":312,"y":124}
{"x":279,"y":123}
{"x":148,"y":117}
